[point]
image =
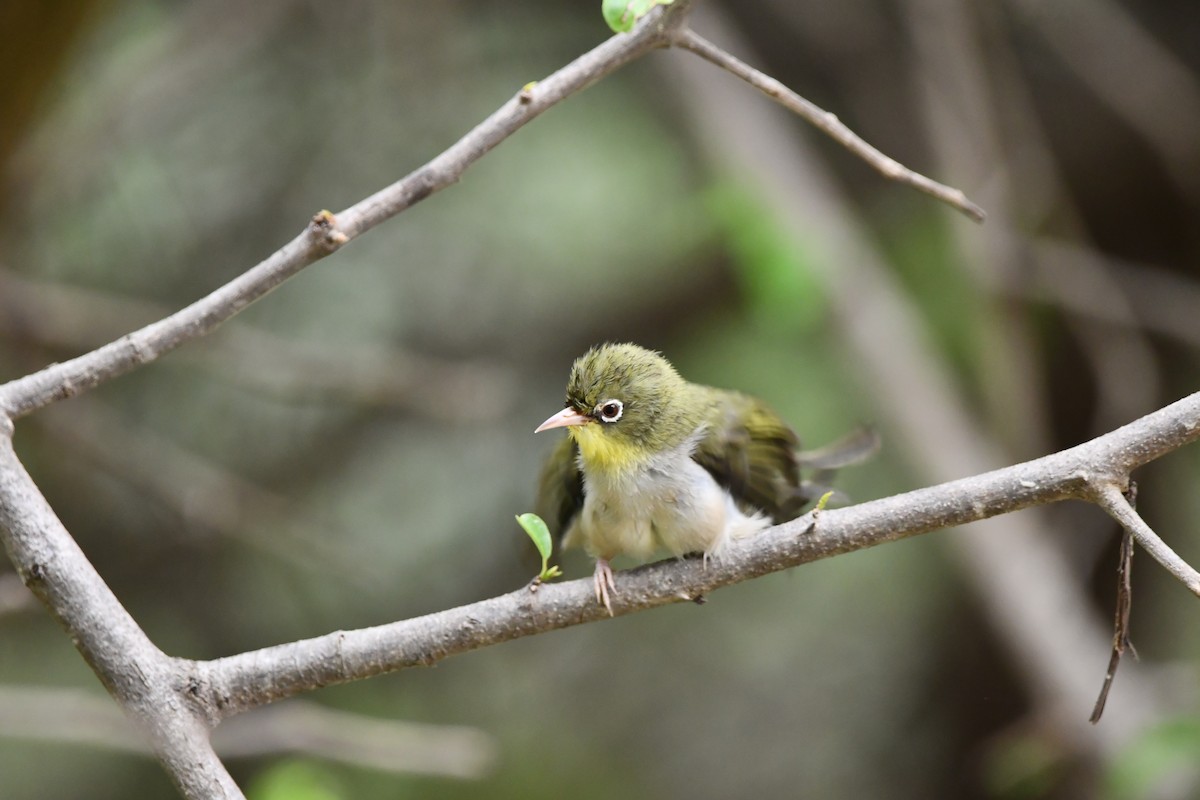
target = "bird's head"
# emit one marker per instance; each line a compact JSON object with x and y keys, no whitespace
{"x":624,"y":404}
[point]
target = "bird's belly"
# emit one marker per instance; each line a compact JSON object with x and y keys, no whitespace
{"x":679,"y":510}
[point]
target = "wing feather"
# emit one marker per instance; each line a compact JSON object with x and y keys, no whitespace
{"x":750,"y":451}
{"x":560,"y":488}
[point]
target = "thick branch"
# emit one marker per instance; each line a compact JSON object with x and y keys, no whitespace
{"x":243,"y":681}
{"x":133,"y":670}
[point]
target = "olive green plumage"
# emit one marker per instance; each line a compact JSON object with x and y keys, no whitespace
{"x":744,"y":445}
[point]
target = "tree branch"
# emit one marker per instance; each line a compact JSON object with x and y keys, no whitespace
{"x":1109,"y":497}
{"x":328,"y":232}
{"x":1027,"y":588}
{"x":175,"y":701}
{"x":143,"y":679}
{"x":234,"y":684}
{"x":1124,"y":604}
{"x":825,"y":122}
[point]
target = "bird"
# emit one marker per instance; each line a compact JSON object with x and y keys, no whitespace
{"x":653,"y":463}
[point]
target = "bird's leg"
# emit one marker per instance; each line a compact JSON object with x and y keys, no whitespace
{"x":603,"y":580}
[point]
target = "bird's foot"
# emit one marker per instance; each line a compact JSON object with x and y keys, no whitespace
{"x":603,"y":580}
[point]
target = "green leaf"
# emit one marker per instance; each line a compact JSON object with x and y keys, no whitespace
{"x":539,"y":533}
{"x":622,"y":15}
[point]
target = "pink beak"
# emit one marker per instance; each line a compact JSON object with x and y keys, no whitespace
{"x":564,"y":419}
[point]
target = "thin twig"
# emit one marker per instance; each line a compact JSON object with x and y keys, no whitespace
{"x":1109,"y":497}
{"x":826,"y":122}
{"x":1121,"y":641}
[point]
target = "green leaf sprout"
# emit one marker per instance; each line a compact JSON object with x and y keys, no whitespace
{"x":622,"y":15}
{"x":535,"y":526}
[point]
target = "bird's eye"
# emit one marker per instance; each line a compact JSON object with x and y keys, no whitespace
{"x":610,"y":410}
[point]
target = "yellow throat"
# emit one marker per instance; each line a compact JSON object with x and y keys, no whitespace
{"x":600,"y":452}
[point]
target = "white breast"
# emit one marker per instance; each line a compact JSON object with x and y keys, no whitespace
{"x":670,"y":504}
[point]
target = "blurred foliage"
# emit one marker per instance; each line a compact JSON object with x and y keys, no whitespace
{"x":172,"y":146}
{"x":773,"y":270}
{"x":294,"y":780}
{"x":1161,"y":756}
{"x":1022,"y":766}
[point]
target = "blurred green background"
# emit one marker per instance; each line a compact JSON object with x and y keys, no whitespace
{"x":352,"y":449}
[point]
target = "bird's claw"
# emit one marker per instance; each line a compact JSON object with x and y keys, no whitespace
{"x":603,"y":580}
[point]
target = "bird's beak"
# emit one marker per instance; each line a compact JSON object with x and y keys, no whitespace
{"x":564,"y":419}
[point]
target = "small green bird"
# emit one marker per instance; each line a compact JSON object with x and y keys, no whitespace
{"x":654,"y":463}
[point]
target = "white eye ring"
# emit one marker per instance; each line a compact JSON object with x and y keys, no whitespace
{"x":610,"y":410}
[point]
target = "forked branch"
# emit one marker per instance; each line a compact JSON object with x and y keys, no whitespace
{"x":1112,"y":500}
{"x":233,"y":684}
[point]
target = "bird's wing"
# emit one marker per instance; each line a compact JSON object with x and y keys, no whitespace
{"x":750,"y":451}
{"x":560,"y":488}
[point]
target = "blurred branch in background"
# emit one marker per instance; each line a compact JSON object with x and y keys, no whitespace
{"x":1115,"y":341}
{"x":71,"y":319}
{"x":977,"y":111}
{"x":207,"y":499}
{"x":77,"y":717}
{"x":1116,"y":291}
{"x":1029,"y":590}
{"x":1159,"y":96}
